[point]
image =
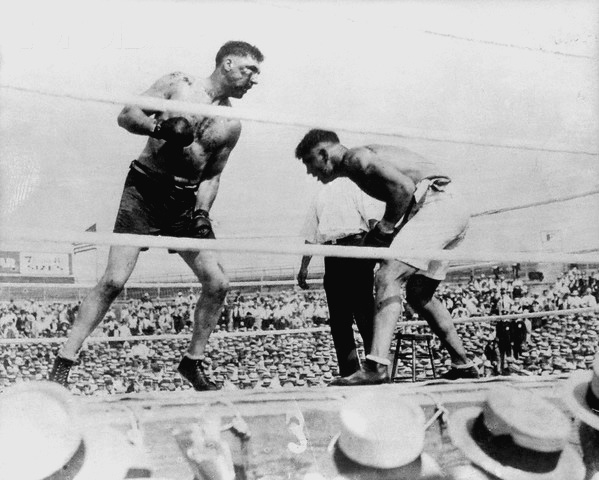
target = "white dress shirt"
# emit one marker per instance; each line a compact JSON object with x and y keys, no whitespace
{"x":338,"y":210}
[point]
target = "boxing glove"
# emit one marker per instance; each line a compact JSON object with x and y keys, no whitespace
{"x":175,"y":130}
{"x":377,"y":238}
{"x":202,"y":226}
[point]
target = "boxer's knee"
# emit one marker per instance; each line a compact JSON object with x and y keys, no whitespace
{"x":420,"y":291}
{"x":391,"y":273}
{"x":216,"y":286}
{"x":111,"y":287}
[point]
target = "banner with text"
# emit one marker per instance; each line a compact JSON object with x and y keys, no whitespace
{"x":37,"y":264}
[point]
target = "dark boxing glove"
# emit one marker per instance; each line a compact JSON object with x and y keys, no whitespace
{"x":175,"y":130}
{"x":377,"y":238}
{"x":202,"y":226}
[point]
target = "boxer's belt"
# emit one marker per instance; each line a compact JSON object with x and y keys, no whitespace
{"x":176,"y":182}
{"x":347,"y":240}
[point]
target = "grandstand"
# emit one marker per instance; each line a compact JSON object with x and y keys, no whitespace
{"x":272,"y":378}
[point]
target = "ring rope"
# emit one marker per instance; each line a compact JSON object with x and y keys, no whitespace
{"x":539,"y":203}
{"x":439,"y":34}
{"x":510,"y":45}
{"x":169,"y":336}
{"x":237,"y":245}
{"x":263,"y":116}
{"x":149,"y":285}
{"x":510,"y":316}
{"x":294,"y":331}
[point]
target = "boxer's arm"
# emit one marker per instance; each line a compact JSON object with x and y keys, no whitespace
{"x":398,"y":192}
{"x":384,"y":181}
{"x":211,"y":175}
{"x":302,"y":274}
{"x":136,"y":120}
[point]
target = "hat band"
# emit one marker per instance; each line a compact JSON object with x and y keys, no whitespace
{"x":505,"y":451}
{"x":72,"y":467}
{"x":592,"y":400}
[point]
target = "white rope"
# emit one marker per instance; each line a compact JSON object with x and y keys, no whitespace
{"x":407,"y":27}
{"x":236,"y":245}
{"x":264,"y":116}
{"x":294,"y":331}
{"x":538,"y":203}
{"x":162,"y":286}
{"x":170,"y":336}
{"x":511,"y":316}
{"x":510,"y":45}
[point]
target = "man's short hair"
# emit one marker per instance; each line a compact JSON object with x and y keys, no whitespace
{"x":239,"y":49}
{"x":313,"y":138}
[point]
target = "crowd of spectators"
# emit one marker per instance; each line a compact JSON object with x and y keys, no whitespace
{"x":524,"y":346}
{"x":146,"y":316}
{"x":265,"y":361}
{"x":259,"y":355}
{"x":500,"y":295}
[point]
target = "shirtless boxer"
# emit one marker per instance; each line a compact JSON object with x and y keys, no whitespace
{"x":421,"y":211}
{"x":169,"y":190}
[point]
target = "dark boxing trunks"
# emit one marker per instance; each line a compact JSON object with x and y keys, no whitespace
{"x":155,"y":204}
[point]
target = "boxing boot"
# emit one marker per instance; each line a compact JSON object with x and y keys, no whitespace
{"x":193,"y":371}
{"x":60,"y":371}
{"x":455,"y":373}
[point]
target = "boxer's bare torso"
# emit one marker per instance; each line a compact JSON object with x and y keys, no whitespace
{"x":212,"y":134}
{"x":373,"y":167}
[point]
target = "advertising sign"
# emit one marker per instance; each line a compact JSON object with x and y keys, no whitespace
{"x":42,"y":264}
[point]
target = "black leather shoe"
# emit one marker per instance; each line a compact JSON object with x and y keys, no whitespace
{"x":457,"y":373}
{"x":350,"y":366}
{"x":193,"y":371}
{"x":60,"y":371}
{"x":371,"y":373}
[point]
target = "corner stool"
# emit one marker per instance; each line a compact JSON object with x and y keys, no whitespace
{"x":412,"y":337}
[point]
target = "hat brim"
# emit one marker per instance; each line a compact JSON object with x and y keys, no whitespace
{"x":424,"y":467}
{"x":107,"y":455}
{"x":574,"y":395}
{"x":570,"y":464}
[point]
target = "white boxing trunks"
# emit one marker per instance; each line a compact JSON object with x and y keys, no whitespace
{"x":440,"y":221}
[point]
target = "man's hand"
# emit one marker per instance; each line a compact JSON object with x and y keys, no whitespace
{"x":301,"y":279}
{"x":202,"y":226}
{"x":176,"y":130}
{"x":377,"y":238}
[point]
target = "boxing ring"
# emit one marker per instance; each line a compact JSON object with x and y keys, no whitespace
{"x":275,"y":449}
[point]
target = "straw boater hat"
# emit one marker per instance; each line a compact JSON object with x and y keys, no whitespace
{"x":382,"y":438}
{"x":41,"y":437}
{"x":581,"y":395}
{"x":517,"y":435}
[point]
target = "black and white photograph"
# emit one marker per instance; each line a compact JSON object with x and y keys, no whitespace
{"x":299,"y":240}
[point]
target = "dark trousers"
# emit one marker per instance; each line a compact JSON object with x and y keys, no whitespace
{"x":349,"y":285}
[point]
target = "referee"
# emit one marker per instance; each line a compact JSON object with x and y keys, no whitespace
{"x":341,"y":214}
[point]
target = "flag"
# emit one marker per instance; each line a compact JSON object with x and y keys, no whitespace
{"x":551,"y":240}
{"x":85,"y":247}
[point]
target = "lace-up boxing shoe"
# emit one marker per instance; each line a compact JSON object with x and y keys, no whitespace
{"x":455,"y":373}
{"x":60,"y":371}
{"x":193,"y":371}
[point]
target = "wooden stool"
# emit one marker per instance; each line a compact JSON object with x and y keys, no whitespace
{"x":413,"y":337}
